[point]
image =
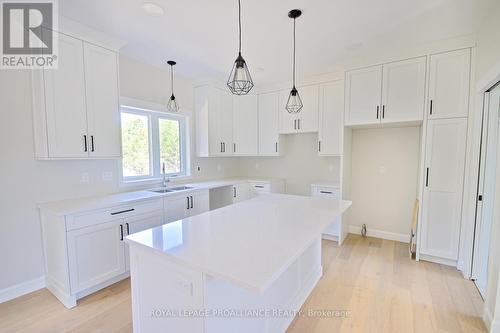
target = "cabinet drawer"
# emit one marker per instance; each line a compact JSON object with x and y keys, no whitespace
{"x":260,"y":188}
{"x":84,"y":220}
{"x":326,"y":192}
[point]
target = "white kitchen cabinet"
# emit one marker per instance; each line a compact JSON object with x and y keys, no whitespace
{"x":331,"y":124}
{"x":338,"y":230}
{"x":96,"y":254}
{"x":75,"y":107}
{"x":241,"y":192}
{"x":449,"y":84}
{"x":101,"y":88}
{"x":443,"y":188}
{"x":214,"y":121}
{"x":189,"y":204}
{"x":307,"y":119}
{"x":245,"y":125}
{"x":403,"y":90}
{"x":270,"y":142}
{"x":62,"y":104}
{"x":363,"y":95}
{"x":258,"y":187}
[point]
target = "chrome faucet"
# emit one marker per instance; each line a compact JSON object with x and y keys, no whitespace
{"x":166,"y":180}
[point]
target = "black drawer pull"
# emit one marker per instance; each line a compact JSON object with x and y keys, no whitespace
{"x":259,"y":186}
{"x":121,"y":232}
{"x":128,"y":228}
{"x":191,"y":201}
{"x":123,"y":211}
{"x":325,"y":192}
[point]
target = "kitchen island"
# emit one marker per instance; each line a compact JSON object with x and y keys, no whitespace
{"x":247,"y":267}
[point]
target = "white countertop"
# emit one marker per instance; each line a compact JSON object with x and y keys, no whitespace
{"x":80,"y":205}
{"x":250,"y":243}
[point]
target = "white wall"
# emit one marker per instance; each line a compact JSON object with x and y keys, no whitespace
{"x":25,"y":182}
{"x":300,"y":166}
{"x":384,"y":174}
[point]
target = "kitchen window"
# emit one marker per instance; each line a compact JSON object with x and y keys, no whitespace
{"x":151,"y":140}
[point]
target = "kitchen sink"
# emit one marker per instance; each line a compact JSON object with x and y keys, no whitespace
{"x":171,"y":189}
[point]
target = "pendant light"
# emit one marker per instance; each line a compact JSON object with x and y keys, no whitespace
{"x":240,"y":81}
{"x":294,"y":103}
{"x":172,"y":105}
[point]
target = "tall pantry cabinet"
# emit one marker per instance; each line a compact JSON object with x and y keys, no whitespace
{"x":444,"y":157}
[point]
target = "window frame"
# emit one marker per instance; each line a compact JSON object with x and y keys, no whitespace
{"x":154,"y":113}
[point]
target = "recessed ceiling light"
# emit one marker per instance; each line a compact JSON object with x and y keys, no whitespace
{"x":152,"y":9}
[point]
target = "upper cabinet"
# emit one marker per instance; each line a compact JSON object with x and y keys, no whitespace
{"x":304,"y":121}
{"x":449,"y":84}
{"x":403,"y":90}
{"x":389,"y":93}
{"x":76,"y":106}
{"x":363,"y":95}
{"x":331,"y":125}
{"x":214,"y":122}
{"x":270,"y":142}
{"x":245,"y":122}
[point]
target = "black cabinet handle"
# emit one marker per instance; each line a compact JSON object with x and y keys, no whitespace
{"x":430,"y":108}
{"x":298,"y":123}
{"x":276,"y":146}
{"x":123,"y":211}
{"x":191,"y":201}
{"x":224,"y":147}
{"x":85,"y":149}
{"x":377,"y":110}
{"x":427,"y":178}
{"x":121,"y":232}
{"x":325,"y":192}
{"x":128,"y":228}
{"x":234,"y":192}
{"x":383,"y":111}
{"x":92,"y":143}
{"x":187,"y":202}
{"x":319,"y":145}
{"x":234,"y":147}
{"x":295,"y":124}
{"x":259,"y":186}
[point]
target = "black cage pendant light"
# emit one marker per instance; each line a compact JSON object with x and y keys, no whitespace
{"x":294,"y":103}
{"x":172,"y":105}
{"x":240,"y":82}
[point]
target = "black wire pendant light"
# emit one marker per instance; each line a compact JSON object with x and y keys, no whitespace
{"x":240,"y":82}
{"x":294,"y":103}
{"x":172,"y":105}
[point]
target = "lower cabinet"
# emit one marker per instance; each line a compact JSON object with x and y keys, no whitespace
{"x":96,"y":254}
{"x":241,"y":192}
{"x":338,"y":230}
{"x":182,"y":206}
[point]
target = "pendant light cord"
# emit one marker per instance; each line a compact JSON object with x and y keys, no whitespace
{"x":239,"y":24}
{"x":294,"y":53}
{"x":172,"y":78}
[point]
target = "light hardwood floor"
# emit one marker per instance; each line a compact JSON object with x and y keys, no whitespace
{"x":371,"y":279}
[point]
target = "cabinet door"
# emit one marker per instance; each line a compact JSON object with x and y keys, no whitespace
{"x":308,"y":116}
{"x":403,"y":91}
{"x":225,"y":119}
{"x":176,"y":208}
{"x":363,"y":95}
{"x":269,"y":144}
{"x":449,"y":84}
{"x":241,"y":192}
{"x":245,"y":122}
{"x":288,"y":121}
{"x":331,"y":125}
{"x":200,"y":203}
{"x":443,"y":187}
{"x":65,"y":101}
{"x":96,"y":254}
{"x":101,"y":86}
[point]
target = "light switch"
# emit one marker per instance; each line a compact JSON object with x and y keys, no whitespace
{"x":85,"y":178}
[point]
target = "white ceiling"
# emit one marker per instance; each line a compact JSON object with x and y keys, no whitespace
{"x":201,"y":35}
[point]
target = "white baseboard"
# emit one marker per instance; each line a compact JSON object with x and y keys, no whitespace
{"x":380,"y":234}
{"x":493,"y":326}
{"x":21,"y":289}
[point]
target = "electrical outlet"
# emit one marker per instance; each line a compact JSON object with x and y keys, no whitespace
{"x":85,"y":178}
{"x":107,"y":176}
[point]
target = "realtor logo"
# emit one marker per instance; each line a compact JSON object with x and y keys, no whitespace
{"x":27,"y":34}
